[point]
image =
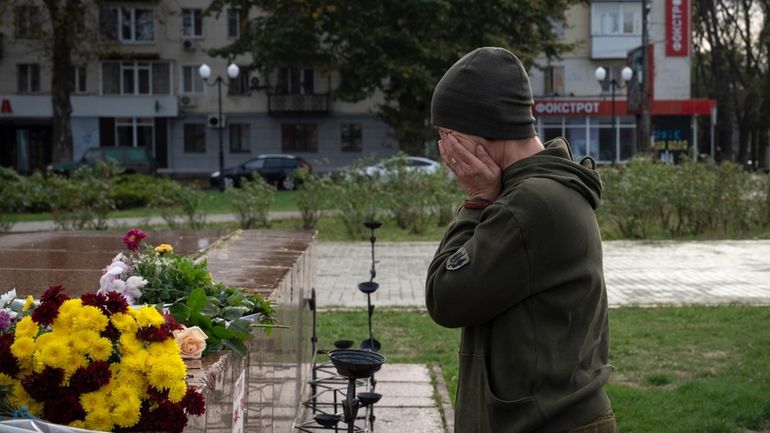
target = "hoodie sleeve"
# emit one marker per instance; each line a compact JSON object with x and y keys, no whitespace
{"x":481,"y":268}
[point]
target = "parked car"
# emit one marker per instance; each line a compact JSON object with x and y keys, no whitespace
{"x":413,"y":163}
{"x":132,"y":159}
{"x":275,"y":169}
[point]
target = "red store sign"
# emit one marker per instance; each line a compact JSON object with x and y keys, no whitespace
{"x":677,"y":28}
{"x":603,"y":107}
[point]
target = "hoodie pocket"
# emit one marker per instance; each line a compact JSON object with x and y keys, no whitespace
{"x":521,"y":414}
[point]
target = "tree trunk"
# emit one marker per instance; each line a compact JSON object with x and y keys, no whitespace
{"x":62,"y":76}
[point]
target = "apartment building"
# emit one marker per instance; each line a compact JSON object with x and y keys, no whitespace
{"x":570,"y":101}
{"x":149,"y":93}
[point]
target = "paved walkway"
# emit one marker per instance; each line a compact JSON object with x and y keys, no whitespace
{"x":636,"y":273}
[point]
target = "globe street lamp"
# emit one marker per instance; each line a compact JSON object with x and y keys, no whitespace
{"x":205,"y":73}
{"x":601,"y":74}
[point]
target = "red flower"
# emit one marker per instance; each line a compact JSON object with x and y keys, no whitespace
{"x":49,"y":305}
{"x":109,"y":303}
{"x":44,"y":385}
{"x":8,"y":364}
{"x":170,"y":417}
{"x":152,"y":334}
{"x":171,"y":322}
{"x":133,"y":238}
{"x":91,"y":378}
{"x":193,"y":402}
{"x":64,"y":408}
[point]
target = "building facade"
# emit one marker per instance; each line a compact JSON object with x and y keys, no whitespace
{"x":570,"y":101}
{"x":148,"y":92}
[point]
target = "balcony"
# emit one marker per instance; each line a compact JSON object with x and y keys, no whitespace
{"x":298,"y":104}
{"x":613,"y":46}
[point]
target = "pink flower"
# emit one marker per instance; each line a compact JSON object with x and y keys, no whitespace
{"x":191,"y":341}
{"x":133,"y":238}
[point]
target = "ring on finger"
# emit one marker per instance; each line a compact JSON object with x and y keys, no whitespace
{"x":453,"y":161}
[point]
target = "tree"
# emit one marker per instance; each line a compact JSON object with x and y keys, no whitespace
{"x":400,"y":48}
{"x":731,"y":65}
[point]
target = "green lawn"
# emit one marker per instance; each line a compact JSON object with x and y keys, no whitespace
{"x":678,"y":370}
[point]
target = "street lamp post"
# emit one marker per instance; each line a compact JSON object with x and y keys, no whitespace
{"x":205,"y":73}
{"x":601,"y":75}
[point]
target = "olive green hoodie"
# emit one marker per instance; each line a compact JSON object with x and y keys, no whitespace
{"x":524,"y":280}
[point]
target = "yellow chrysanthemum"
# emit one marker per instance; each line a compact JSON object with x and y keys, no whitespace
{"x":23,"y":347}
{"x":126,"y":414}
{"x":54,"y":354}
{"x":28,"y":303}
{"x":149,"y":316}
{"x":122,"y":393}
{"x":68,"y":312}
{"x":91,"y":318}
{"x":27,"y":328}
{"x":164,"y":248}
{"x":124,"y":323}
{"x":19,"y":398}
{"x":130,"y":344}
{"x":78,"y":424}
{"x":6,"y":380}
{"x":177,"y":392}
{"x":82,"y":341}
{"x":99,"y":419}
{"x":74,"y":362}
{"x":136,"y":361}
{"x":165,"y":372}
{"x":92,"y":400}
{"x":101,"y":350}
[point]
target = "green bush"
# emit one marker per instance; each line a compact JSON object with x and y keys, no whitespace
{"x":447,"y":196}
{"x":177,"y":199}
{"x":312,"y":197}
{"x":11,"y":197}
{"x":251,"y":202}
{"x":135,"y":190}
{"x":359,"y":198}
{"x":83,"y":201}
{"x":408,"y":196}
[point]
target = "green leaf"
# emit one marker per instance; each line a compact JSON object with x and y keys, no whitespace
{"x":181,"y":312}
{"x":236,"y":298}
{"x":233,"y":313}
{"x":201,"y":320}
{"x":222,"y":332}
{"x":197,"y":299}
{"x":236,"y":346}
{"x":241,"y":328}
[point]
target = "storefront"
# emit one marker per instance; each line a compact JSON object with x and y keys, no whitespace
{"x":587,"y":124}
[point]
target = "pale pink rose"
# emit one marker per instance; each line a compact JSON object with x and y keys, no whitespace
{"x":191,"y":341}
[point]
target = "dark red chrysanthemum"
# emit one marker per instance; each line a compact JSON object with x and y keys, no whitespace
{"x":109,"y":303}
{"x":44,"y":385}
{"x":116,"y":303}
{"x":170,"y":417}
{"x":64,"y":408}
{"x":156,"y":395}
{"x":193,"y":402}
{"x":152,"y":334}
{"x":91,"y":378}
{"x":173,"y":325}
{"x":50,"y":302}
{"x":8,"y":363}
{"x":110,"y":332}
{"x":133,"y":238}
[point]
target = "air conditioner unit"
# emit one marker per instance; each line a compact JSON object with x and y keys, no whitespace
{"x":214,"y":121}
{"x":188,"y":45}
{"x":186,"y":102}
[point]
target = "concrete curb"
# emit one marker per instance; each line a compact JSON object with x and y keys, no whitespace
{"x":444,"y":402}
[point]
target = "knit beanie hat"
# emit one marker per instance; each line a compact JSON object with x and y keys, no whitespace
{"x":486,"y":93}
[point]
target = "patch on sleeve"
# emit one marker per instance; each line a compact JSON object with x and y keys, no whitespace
{"x":457,"y":260}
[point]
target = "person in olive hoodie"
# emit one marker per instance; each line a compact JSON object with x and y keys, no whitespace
{"x":520,"y":267}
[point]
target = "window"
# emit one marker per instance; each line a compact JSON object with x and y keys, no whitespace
{"x":239,"y":85}
{"x":299,"y":137}
{"x":135,"y":78}
{"x":292,"y":81}
{"x":233,"y":23}
{"x":192,"y":23}
{"x":613,"y":73}
{"x":616,"y":18}
{"x":239,"y":138}
{"x":27,"y":22}
{"x":192,"y":83}
{"x":350,"y":137}
{"x":80,"y":79}
{"x":127,"y":24}
{"x":553,"y":79}
{"x":29,"y":78}
{"x":134,"y":131}
{"x":194,"y":138}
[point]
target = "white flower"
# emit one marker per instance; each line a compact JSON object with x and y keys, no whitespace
{"x":118,"y":286}
{"x":136,"y":283}
{"x":119,"y":258}
{"x":7,"y":297}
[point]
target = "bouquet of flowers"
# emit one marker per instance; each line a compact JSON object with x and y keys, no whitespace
{"x":96,"y":363}
{"x":155,"y":275}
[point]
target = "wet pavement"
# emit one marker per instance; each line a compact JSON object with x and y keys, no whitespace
{"x":31,"y":262}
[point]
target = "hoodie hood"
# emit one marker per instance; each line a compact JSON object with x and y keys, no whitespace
{"x":555,"y":163}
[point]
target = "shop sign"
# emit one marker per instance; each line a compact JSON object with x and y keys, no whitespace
{"x":575,"y":107}
{"x":677,"y":28}
{"x":671,"y":138}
